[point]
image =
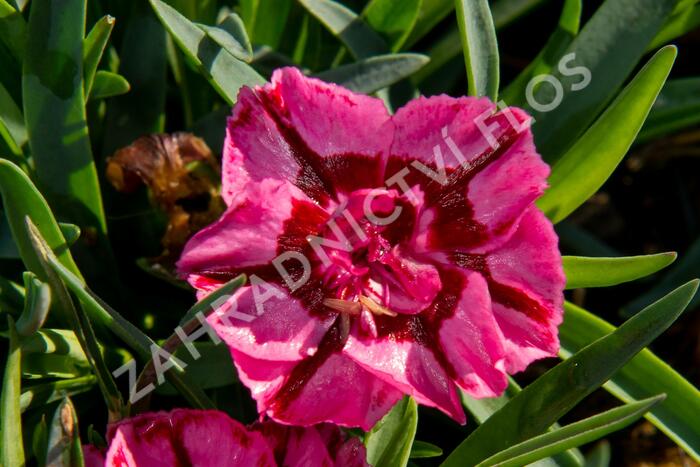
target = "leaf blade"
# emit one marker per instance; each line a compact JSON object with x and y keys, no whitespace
{"x":584,"y":272}
{"x":480,"y":47}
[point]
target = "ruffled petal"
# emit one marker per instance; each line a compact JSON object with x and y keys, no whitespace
{"x":278,"y":328}
{"x":185,"y":437}
{"x":325,"y":387}
{"x":528,"y":300}
{"x":321,"y":137}
{"x":491,"y":175}
{"x":473,"y":342}
{"x":246,"y":235}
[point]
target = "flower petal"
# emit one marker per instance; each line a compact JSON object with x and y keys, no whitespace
{"x":528,"y":302}
{"x":473,"y":342}
{"x":185,"y":437}
{"x":492,"y":170}
{"x":247,"y":234}
{"x":279,"y":328}
{"x":319,"y":136}
{"x":325,"y":387}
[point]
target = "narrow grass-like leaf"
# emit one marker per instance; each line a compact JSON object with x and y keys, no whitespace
{"x":393,"y":19}
{"x":372,"y":74}
{"x":449,"y":45}
{"x":389,"y":442}
{"x":11,"y":448}
{"x":553,"y":394}
{"x":205,"y":305}
{"x":424,"y":450}
{"x":54,"y":112}
{"x":233,"y":24}
{"x":431,"y":12}
{"x":644,"y":376}
{"x":40,"y":441}
{"x":545,"y":61}
{"x":13,"y":30}
{"x":36,"y":305}
{"x":677,"y":25}
{"x":226,"y":73}
{"x":595,"y":65}
{"x":480,"y":47}
{"x":265,"y":20}
{"x":228,"y":42}
{"x":586,"y":166}
{"x":572,"y":435}
{"x":141,"y":111}
{"x":12,"y":128}
{"x":214,"y":369}
{"x":80,"y":323}
{"x":361,"y":40}
{"x":107,"y":84}
{"x":41,"y":394}
{"x":21,"y":199}
{"x":130,"y":334}
{"x":583,"y":272}
{"x":677,"y":107}
{"x":64,"y":446}
{"x":599,"y":455}
{"x":93,"y":48}
{"x":482,"y":409}
{"x":687,"y":267}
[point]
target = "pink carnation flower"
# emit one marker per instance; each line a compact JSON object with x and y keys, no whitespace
{"x":436,"y":270}
{"x":211,"y":438}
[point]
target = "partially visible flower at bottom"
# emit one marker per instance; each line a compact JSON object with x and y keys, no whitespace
{"x":212,"y":438}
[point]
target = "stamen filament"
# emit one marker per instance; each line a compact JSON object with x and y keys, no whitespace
{"x":343,"y":306}
{"x":375,"y":307}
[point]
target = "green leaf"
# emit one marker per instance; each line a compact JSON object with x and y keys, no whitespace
{"x":482,"y":409}
{"x":572,"y":435}
{"x":480,"y":47}
{"x":233,"y":25}
{"x":64,"y":437}
{"x":13,"y":30}
{"x":606,"y":50}
{"x":141,"y":111}
{"x":36,"y":305}
{"x":677,"y":25}
{"x":40,"y":440}
{"x":52,"y":79}
{"x":226,"y":73}
{"x":80,"y":323}
{"x":506,"y":12}
{"x":20,"y":199}
{"x":584,"y":272}
{"x":108,"y":84}
{"x":265,"y":20}
{"x":423,"y":450}
{"x":591,"y":160}
{"x":553,"y":394}
{"x":12,"y":447}
{"x":430,"y":14}
{"x":130,"y":334}
{"x":93,"y":48}
{"x":361,"y":40}
{"x":599,"y":455}
{"x":644,"y":376}
{"x":12,"y":128}
{"x":41,"y":394}
{"x":545,"y":61}
{"x":229,"y":35}
{"x":393,"y":19}
{"x":389,"y":442}
{"x":372,"y":74}
{"x":676,"y":108}
{"x":71,"y":232}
